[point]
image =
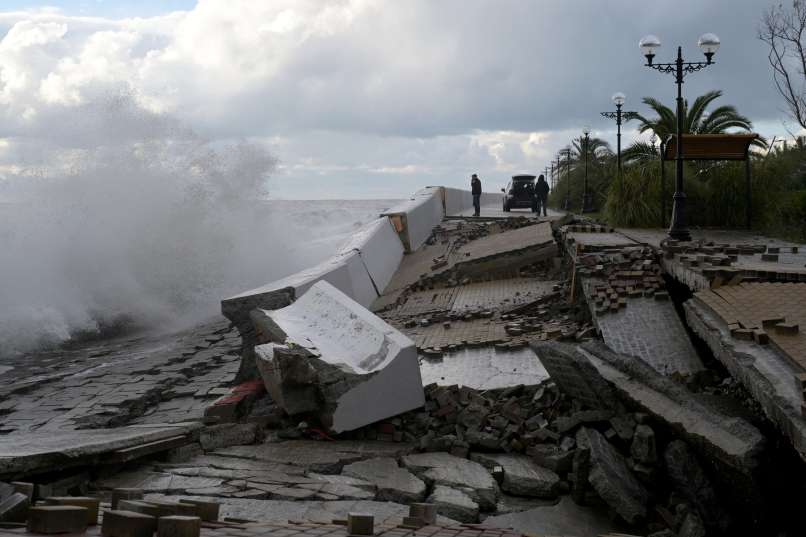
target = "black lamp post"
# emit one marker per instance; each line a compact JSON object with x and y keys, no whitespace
{"x":586,"y":201}
{"x":709,"y":44}
{"x":567,"y":204}
{"x":619,"y":116}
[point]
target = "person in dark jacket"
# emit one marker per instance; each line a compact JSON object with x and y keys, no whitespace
{"x":475,"y":189}
{"x":542,"y":194}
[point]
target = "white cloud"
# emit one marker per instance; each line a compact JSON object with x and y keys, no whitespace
{"x":389,"y":88}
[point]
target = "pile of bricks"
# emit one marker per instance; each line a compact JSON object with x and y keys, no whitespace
{"x":457,"y":419}
{"x":629,"y":273}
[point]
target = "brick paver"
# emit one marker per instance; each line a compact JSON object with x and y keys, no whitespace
{"x":750,"y":304}
{"x":651,"y":330}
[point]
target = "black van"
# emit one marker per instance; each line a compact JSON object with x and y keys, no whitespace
{"x":520,"y":193}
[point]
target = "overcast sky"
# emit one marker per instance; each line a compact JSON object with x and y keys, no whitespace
{"x":370,"y":98}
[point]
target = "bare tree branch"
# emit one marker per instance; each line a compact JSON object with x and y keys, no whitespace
{"x":784,"y":31}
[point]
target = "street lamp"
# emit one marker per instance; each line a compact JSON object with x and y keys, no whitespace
{"x":618,"y":99}
{"x":567,"y":204}
{"x":709,"y":44}
{"x":586,"y":201}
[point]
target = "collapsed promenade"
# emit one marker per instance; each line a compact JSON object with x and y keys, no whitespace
{"x":550,"y":375}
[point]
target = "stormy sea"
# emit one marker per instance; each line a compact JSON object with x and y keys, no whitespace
{"x":114,"y":219}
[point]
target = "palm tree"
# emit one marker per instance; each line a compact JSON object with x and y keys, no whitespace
{"x":598,"y":151}
{"x":696,"y":120}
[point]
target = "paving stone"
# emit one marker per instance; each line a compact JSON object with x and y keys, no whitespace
{"x":393,"y":483}
{"x":454,"y":503}
{"x":92,"y":505}
{"x":117,"y":523}
{"x":57,"y":519}
{"x":445,"y":469}
{"x":179,"y":526}
{"x":360,"y":524}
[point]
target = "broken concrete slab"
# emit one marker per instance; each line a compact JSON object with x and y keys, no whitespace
{"x":394,"y":484}
{"x":229,"y":434}
{"x":732,"y":441}
{"x":445,"y":469}
{"x":552,"y":457}
{"x":575,"y":376}
{"x":323,"y":457}
{"x":563,"y":518}
{"x":761,"y":369}
{"x":522,"y":476}
{"x":611,"y":478}
{"x":359,"y":368}
{"x":280,"y":511}
{"x":157,"y":482}
{"x":454,"y":503}
{"x":691,"y":482}
{"x":25,"y":454}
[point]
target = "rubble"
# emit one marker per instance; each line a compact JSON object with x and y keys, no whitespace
{"x":445,"y":469}
{"x":732,"y":441}
{"x":454,"y":503}
{"x":611,"y":478}
{"x":326,"y":354}
{"x":522,"y":476}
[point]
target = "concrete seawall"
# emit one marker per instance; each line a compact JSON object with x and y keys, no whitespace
{"x":362,"y":268}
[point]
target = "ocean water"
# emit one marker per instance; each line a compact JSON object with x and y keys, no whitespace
{"x":73,"y":269}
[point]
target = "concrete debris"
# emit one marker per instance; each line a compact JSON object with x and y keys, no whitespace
{"x":732,"y":441}
{"x":393,"y":483}
{"x":611,"y":478}
{"x":454,"y":503}
{"x":643,"y":447}
{"x":325,"y":354}
{"x":691,"y":482}
{"x":522,"y":476}
{"x":445,"y":469}
{"x":14,"y":507}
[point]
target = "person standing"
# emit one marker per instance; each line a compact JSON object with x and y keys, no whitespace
{"x":475,"y":189}
{"x":542,"y":193}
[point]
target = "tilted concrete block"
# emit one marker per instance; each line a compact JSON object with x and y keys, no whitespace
{"x":333,"y":357}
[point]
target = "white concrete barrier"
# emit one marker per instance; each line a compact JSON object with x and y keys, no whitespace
{"x":457,"y":200}
{"x":380,"y":249}
{"x":415,"y":218}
